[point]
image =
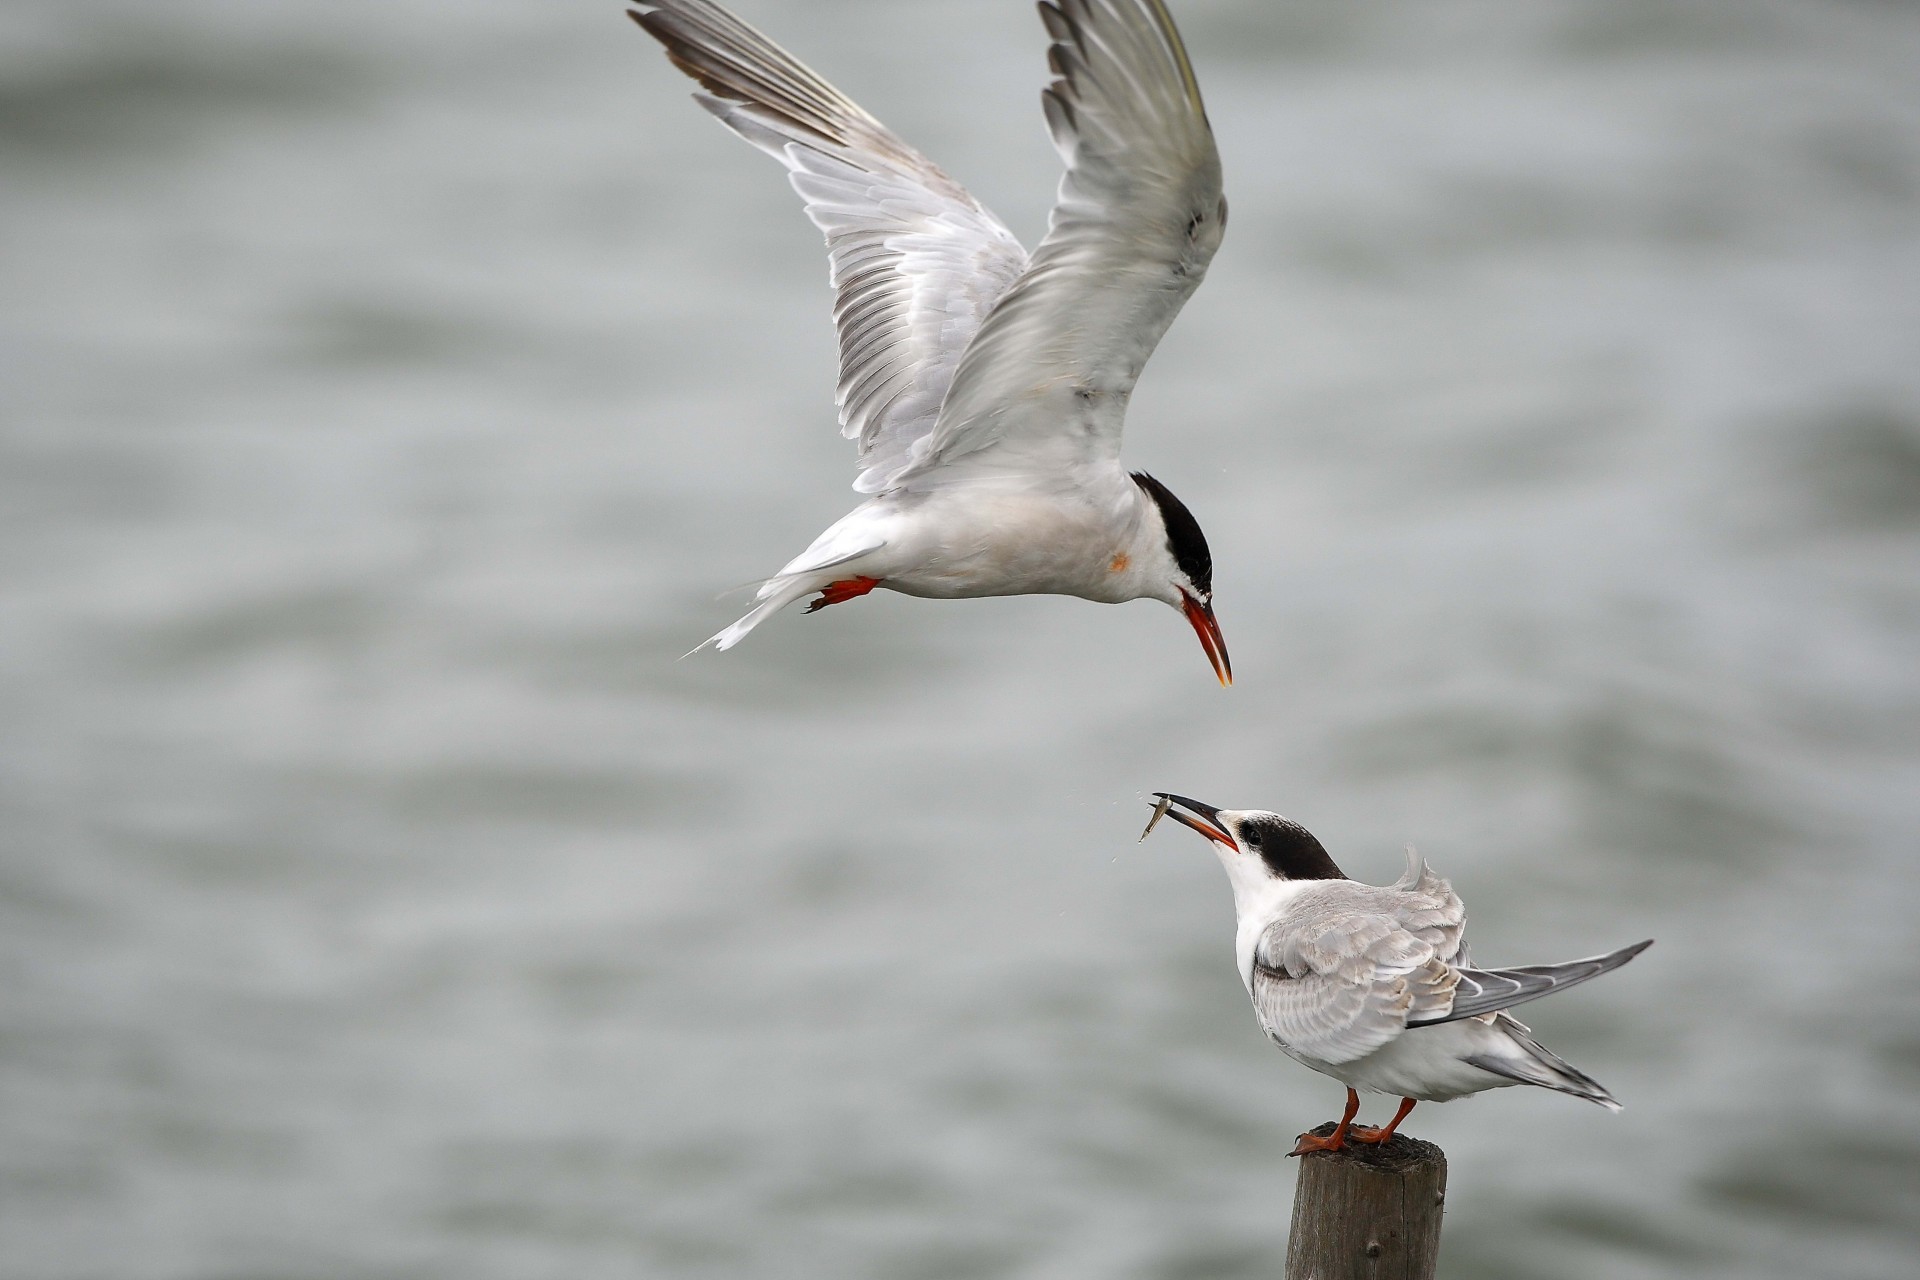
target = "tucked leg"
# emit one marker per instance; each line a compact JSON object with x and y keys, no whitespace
{"x":1365,"y":1134}
{"x":1335,"y":1140}
{"x":842,"y":591}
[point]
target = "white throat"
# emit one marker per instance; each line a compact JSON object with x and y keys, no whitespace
{"x":1259,"y":898}
{"x":1150,"y":570}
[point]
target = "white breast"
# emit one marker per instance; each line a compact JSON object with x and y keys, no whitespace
{"x":986,"y":540}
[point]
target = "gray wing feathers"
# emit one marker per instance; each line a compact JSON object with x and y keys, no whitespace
{"x":1137,"y":219}
{"x":1482,"y":991}
{"x":917,"y":263}
{"x":1323,"y":1016}
{"x":1351,"y":966}
{"x":1339,"y":1017}
{"x":1342,"y":973}
{"x":1429,"y":908}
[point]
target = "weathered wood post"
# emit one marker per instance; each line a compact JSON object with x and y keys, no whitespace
{"x":1368,"y":1212}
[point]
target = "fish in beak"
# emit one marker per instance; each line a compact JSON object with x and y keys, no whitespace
{"x":1203,"y":818}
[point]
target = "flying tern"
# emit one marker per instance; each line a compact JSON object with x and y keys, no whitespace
{"x":986,"y":386}
{"x":1371,"y":984}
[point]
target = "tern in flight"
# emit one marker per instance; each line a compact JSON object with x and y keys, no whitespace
{"x":986,"y":386}
{"x":1371,"y":984}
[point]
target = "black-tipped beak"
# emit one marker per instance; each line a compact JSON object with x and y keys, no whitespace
{"x":1203,"y":818}
{"x":1208,"y":629}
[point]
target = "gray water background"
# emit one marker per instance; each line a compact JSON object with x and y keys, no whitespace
{"x":389,"y":387}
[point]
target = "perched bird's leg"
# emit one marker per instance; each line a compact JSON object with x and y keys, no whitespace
{"x":1367,"y":1134}
{"x":1338,"y":1138}
{"x":842,"y":591}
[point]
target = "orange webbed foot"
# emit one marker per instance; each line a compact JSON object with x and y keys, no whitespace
{"x":1334,"y":1141}
{"x":1312,"y":1142}
{"x":842,"y":591}
{"x":1367,"y":1133}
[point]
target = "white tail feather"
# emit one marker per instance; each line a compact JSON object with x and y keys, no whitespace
{"x":831,"y":556}
{"x":776,"y":595}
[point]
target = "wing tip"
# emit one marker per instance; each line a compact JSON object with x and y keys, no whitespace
{"x":1614,"y":959}
{"x":1065,"y":21}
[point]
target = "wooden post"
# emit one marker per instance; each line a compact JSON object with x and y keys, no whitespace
{"x":1368,"y":1212}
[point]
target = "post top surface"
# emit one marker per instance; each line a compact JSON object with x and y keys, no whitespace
{"x":1399,"y":1154}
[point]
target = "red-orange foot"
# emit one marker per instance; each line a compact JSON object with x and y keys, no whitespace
{"x":842,"y":591}
{"x":1312,"y":1142}
{"x":1367,"y":1133}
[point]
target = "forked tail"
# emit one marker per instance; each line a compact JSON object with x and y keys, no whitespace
{"x":1534,"y":1063}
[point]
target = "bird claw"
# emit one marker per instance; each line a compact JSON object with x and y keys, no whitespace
{"x":1367,"y":1133}
{"x":1312,"y":1142}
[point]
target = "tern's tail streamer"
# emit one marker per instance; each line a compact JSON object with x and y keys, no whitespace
{"x":804,"y":574}
{"x":776,"y":595}
{"x":1530,"y":1062}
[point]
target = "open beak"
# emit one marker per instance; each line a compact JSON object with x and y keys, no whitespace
{"x":1203,"y":818}
{"x":1204,"y":626}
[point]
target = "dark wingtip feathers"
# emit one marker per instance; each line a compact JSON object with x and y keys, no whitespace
{"x":1493,"y":990}
{"x":1054,"y":21}
{"x":736,"y":64}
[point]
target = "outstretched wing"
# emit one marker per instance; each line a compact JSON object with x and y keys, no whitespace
{"x":1491,"y":990}
{"x":1138,"y":217}
{"x":917,"y":263}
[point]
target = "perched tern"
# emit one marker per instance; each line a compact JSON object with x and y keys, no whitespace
{"x":1371,"y":984}
{"x":986,"y":386}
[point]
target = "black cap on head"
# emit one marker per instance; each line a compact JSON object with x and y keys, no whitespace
{"x":1289,"y":849}
{"x":1184,"y":539}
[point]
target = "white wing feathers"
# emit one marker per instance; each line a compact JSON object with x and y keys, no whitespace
{"x":1138,"y":217}
{"x":1350,"y":965}
{"x":951,"y":342}
{"x":916,"y":261}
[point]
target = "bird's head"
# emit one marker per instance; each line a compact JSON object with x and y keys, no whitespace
{"x":1176,"y":567}
{"x":1254,"y":845}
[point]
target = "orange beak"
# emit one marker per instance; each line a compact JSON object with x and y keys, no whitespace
{"x":1203,"y":818}
{"x":1205,"y":626}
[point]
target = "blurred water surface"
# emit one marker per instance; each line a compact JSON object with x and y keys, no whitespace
{"x":387,"y":388}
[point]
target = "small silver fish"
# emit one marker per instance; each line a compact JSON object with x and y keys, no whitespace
{"x":1159,"y":812}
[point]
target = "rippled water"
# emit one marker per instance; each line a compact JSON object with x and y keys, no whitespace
{"x":388,"y":388}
